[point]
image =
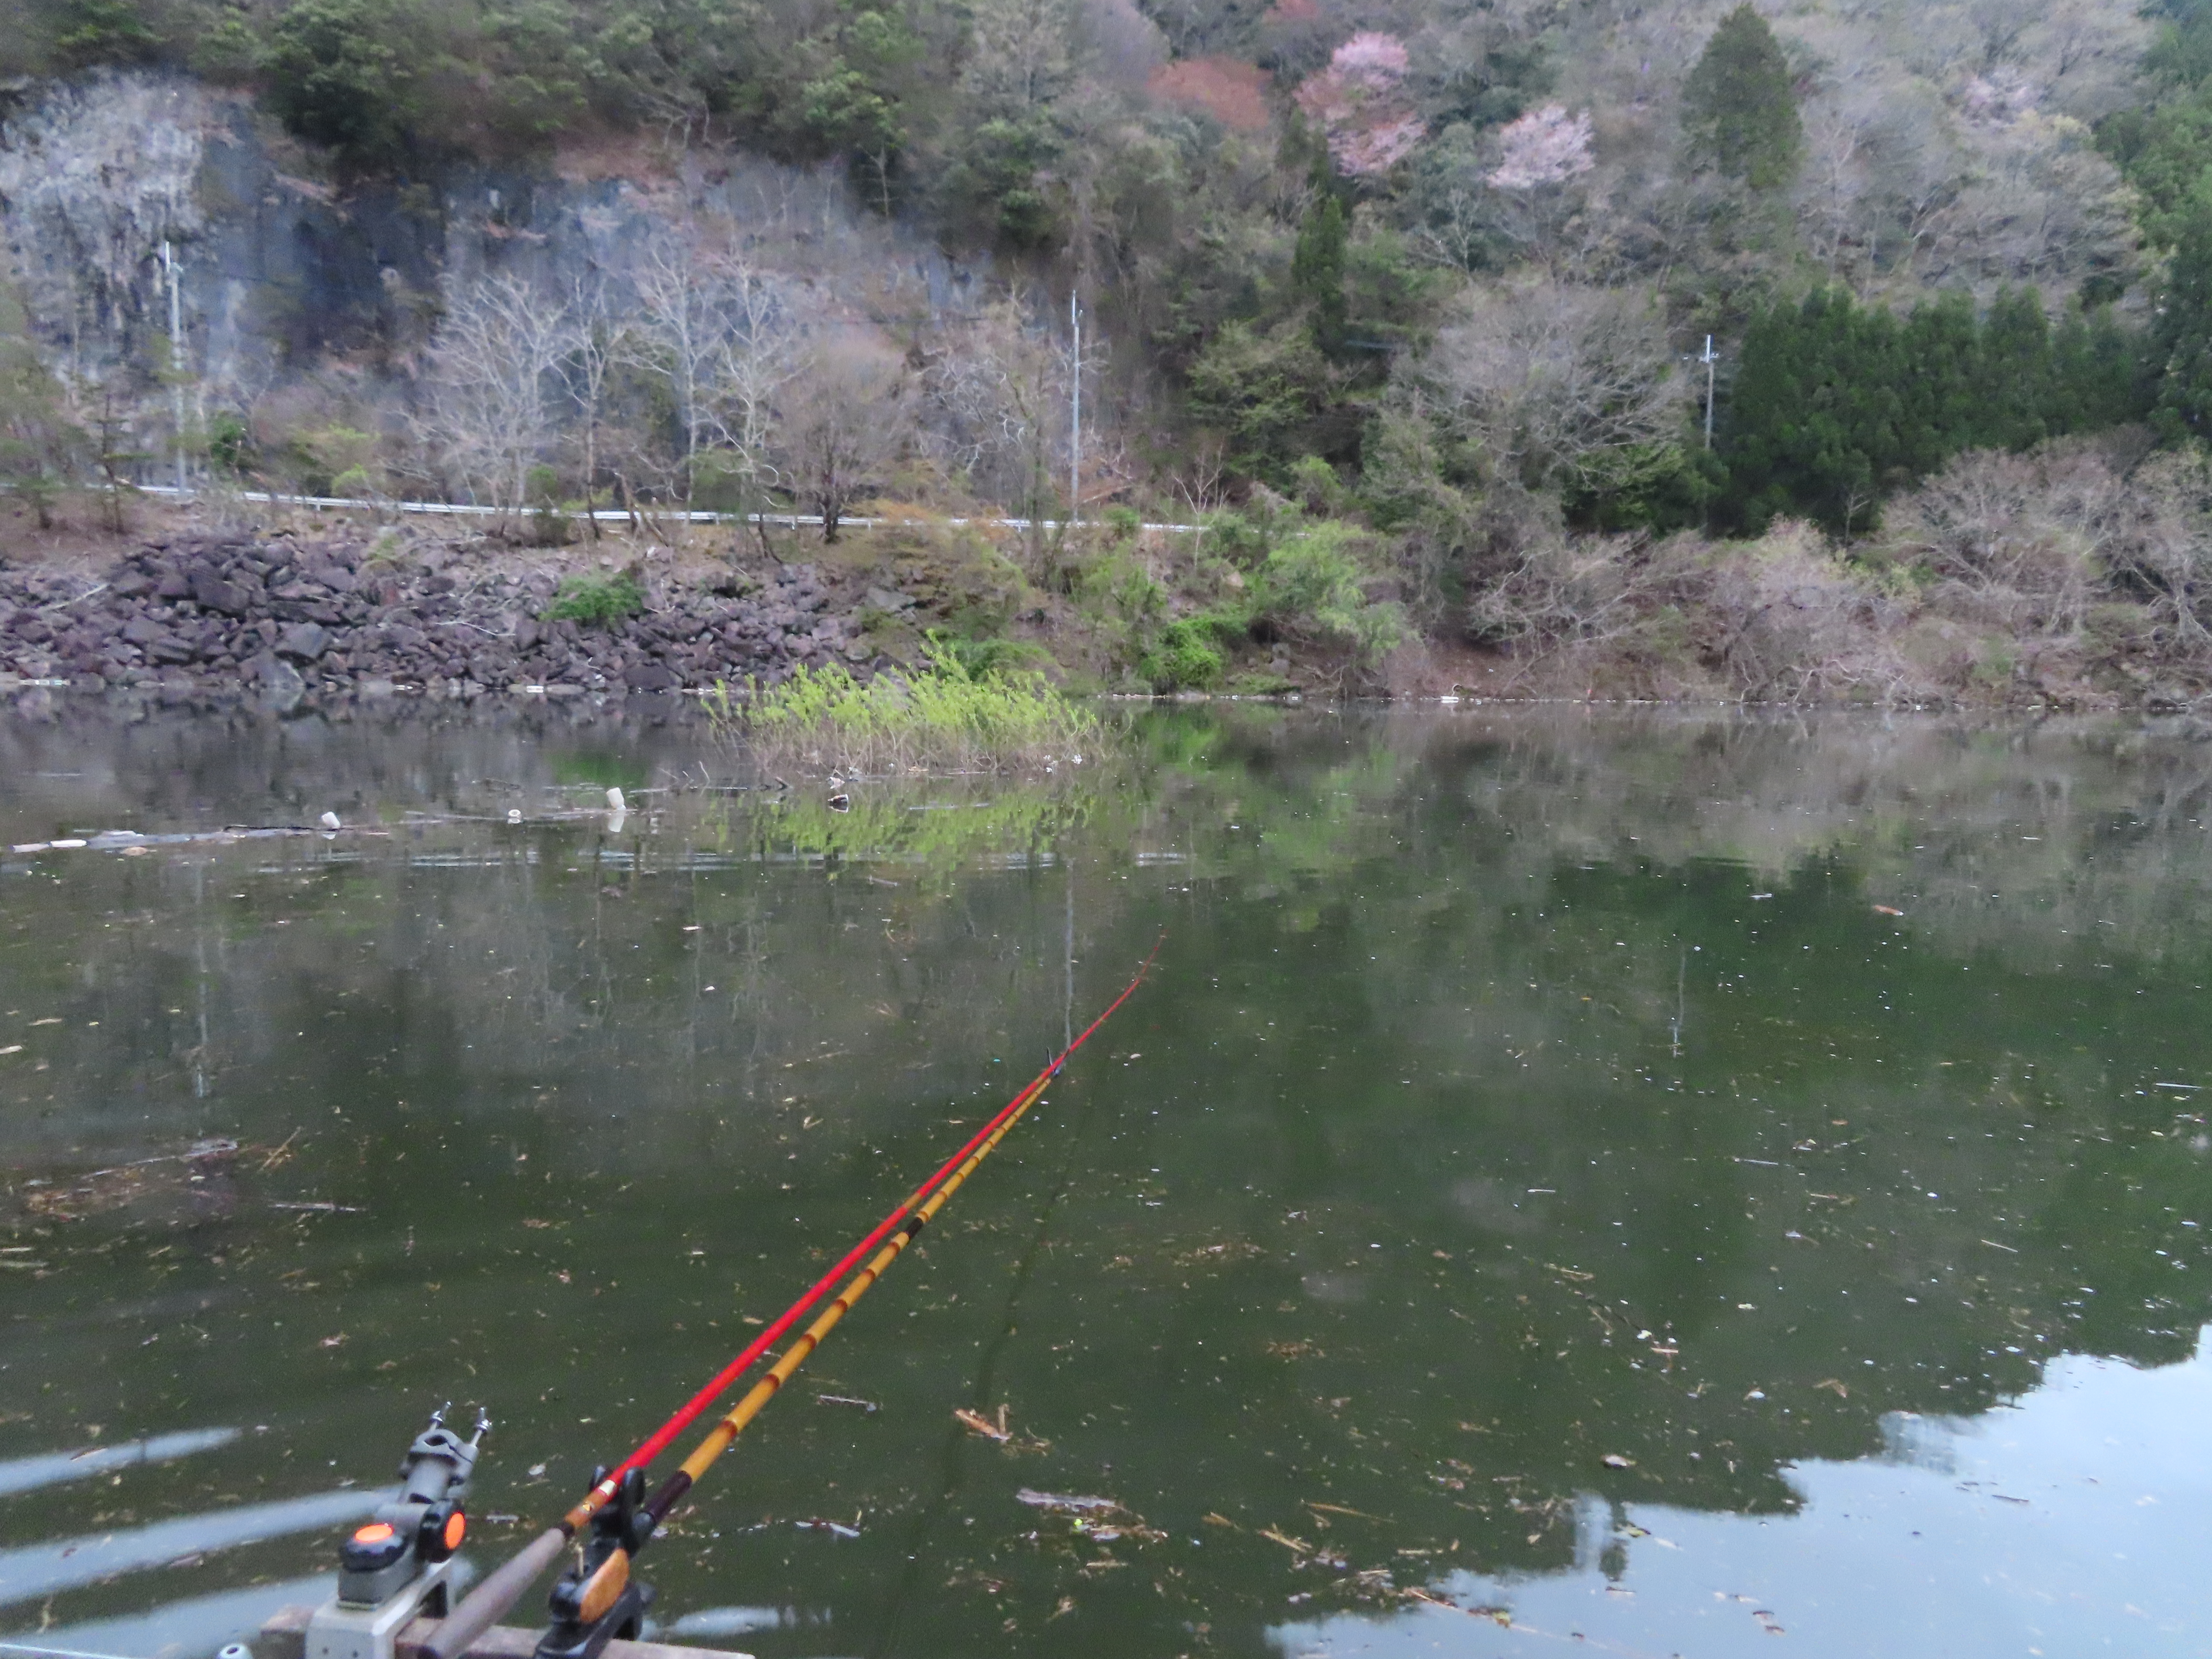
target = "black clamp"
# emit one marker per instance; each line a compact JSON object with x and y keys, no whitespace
{"x":598,"y":1601}
{"x":420,"y":1527}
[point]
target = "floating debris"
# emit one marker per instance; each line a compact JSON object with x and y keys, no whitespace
{"x":1061,"y":1503}
{"x":976,"y":1423}
{"x":201,"y":1172}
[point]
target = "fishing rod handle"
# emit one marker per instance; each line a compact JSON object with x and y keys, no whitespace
{"x":484,"y":1606}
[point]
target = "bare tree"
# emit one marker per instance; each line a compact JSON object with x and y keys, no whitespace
{"x":678,"y":336}
{"x":601,"y":346}
{"x":493,"y":394}
{"x":847,"y":420}
{"x":1001,"y":385}
{"x":720,"y":329}
{"x":1549,"y":376}
{"x":759,"y":356}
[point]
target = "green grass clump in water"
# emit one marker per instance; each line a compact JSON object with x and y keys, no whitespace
{"x":945,"y":720}
{"x":596,"y":601}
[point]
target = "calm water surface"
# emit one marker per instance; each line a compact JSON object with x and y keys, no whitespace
{"x":1656,"y":1182}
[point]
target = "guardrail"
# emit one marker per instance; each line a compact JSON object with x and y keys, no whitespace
{"x":619,"y":515}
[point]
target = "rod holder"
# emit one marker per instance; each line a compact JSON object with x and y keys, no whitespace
{"x":597,"y":1601}
{"x":397,"y":1567}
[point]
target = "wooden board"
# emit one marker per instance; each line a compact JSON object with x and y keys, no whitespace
{"x":285,"y":1636}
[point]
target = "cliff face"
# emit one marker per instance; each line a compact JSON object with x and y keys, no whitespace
{"x":279,"y":274}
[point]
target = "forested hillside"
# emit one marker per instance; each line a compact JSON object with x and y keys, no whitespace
{"x":1820,"y":349}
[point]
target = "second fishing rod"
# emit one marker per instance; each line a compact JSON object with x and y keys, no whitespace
{"x":620,"y":1515}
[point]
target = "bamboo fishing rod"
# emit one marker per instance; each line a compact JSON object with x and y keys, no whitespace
{"x":499,"y":1591}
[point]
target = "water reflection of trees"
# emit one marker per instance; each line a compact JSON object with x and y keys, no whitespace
{"x":1532,"y":1033}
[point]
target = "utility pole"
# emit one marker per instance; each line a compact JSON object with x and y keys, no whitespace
{"x":1075,"y":414}
{"x":1709,"y":359}
{"x":169,"y":269}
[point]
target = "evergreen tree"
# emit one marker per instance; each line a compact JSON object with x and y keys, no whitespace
{"x":1739,"y":110}
{"x":1835,"y":404}
{"x":2013,"y":388}
{"x":1317,"y":269}
{"x":1798,"y":420}
{"x":2183,"y":331}
{"x":2099,"y":374}
{"x":1933,"y":379}
{"x":38,"y":443}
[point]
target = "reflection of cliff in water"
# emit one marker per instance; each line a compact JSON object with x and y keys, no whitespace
{"x":1518,"y":1093}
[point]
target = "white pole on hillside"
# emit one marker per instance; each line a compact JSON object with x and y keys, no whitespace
{"x":1075,"y":414}
{"x":1709,"y":360}
{"x":176,"y":353}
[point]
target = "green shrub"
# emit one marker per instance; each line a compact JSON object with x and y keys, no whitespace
{"x":596,"y":601}
{"x":1238,"y":538}
{"x":981,"y":659}
{"x":1314,"y":484}
{"x":230,"y":443}
{"x":1312,"y":584}
{"x":1184,"y":657}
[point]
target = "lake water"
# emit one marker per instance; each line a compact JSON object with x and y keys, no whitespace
{"x":1656,"y":1182}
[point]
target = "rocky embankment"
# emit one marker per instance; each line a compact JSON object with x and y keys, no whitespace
{"x":290,"y":616}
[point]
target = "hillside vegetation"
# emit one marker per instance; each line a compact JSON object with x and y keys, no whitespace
{"x":1833,"y":349}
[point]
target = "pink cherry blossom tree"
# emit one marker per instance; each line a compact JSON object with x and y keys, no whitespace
{"x":1361,"y":107}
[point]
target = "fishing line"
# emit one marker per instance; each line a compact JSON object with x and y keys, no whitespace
{"x":980,"y":1389}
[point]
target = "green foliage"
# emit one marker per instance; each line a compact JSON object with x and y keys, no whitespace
{"x":2165,"y":152}
{"x":1274,"y":395}
{"x":981,"y":658}
{"x":337,"y":74}
{"x":38,"y":443}
{"x":998,"y":187}
{"x":2180,"y":54}
{"x":1317,"y":270}
{"x":2182,"y":329}
{"x":1316,"y":487}
{"x":944,"y":720}
{"x":1658,"y":487}
{"x":1186,"y":655}
{"x":88,"y":33}
{"x":1241,"y":539}
{"x":596,"y":601}
{"x":316,"y":461}
{"x":1739,"y":109}
{"x":1489,"y":88}
{"x":1313,"y":584}
{"x":230,"y":443}
{"x":1835,"y":404}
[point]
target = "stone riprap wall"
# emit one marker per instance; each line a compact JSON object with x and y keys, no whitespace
{"x":289,"y":617}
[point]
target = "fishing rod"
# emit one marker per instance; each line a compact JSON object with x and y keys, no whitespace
{"x":621,"y":1517}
